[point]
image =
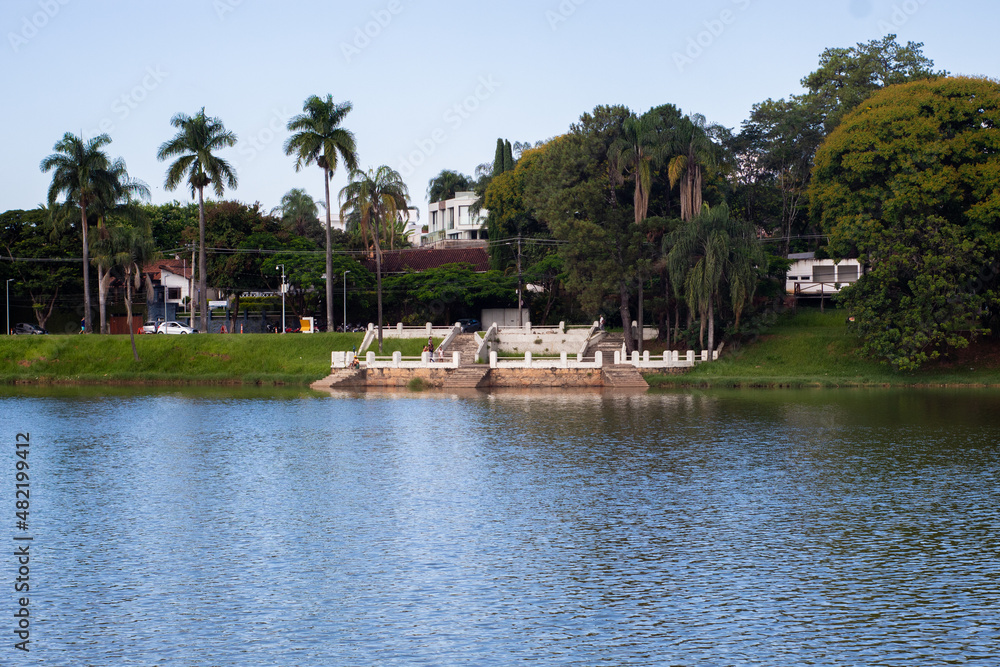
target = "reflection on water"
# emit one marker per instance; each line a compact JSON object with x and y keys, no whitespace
{"x":235,"y":528}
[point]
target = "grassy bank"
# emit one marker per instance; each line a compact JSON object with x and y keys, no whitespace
{"x":297,"y":359}
{"x":813,"y":349}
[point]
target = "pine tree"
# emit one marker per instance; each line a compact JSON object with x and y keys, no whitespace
{"x":508,"y":157}
{"x":498,"y":158}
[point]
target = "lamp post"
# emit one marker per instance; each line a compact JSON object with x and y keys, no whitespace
{"x":282,"y":267}
{"x":8,"y":304}
{"x":345,"y":301}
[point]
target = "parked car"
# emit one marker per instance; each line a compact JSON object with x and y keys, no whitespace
{"x":148,"y":327}
{"x":172,"y":327}
{"x":24,"y":328}
{"x":470,"y":325}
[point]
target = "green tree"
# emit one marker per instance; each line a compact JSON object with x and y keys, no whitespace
{"x":710,"y":255}
{"x":298,"y":214}
{"x":498,"y":166}
{"x":86,"y":177}
{"x":40,"y":264}
{"x":198,"y":139}
{"x":910,"y":182}
{"x":848,"y":76}
{"x":697,"y":153}
{"x":444,"y":186}
{"x":377,"y":196}
{"x":508,"y":156}
{"x":124,"y":251}
{"x":319,"y":139}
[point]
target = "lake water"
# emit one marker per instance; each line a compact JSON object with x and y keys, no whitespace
{"x":242,"y":527}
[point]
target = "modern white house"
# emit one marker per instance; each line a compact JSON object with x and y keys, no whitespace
{"x":808,"y":276}
{"x":451,"y":220}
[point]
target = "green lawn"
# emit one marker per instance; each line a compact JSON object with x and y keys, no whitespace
{"x":810,"y":348}
{"x":234,"y":358}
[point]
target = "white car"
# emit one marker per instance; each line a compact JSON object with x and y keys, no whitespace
{"x":174,"y":328}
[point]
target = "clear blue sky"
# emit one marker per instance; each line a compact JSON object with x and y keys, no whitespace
{"x":433,"y":84}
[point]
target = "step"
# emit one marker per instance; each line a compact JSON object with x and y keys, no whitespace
{"x":623,"y":376}
{"x":466,"y":377}
{"x":346,"y":377}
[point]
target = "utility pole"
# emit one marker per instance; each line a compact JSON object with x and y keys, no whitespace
{"x":282,"y":267}
{"x":345,"y":303}
{"x":191,"y":300}
{"x":520,"y":301}
{"x":8,"y":304}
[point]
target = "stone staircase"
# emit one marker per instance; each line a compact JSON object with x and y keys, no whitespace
{"x":623,"y":376}
{"x":612,"y":343}
{"x":342,"y":377}
{"x":465,"y":344}
{"x":466,"y":377}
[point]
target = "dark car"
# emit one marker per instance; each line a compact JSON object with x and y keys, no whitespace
{"x":470,"y":325}
{"x":30,"y":329}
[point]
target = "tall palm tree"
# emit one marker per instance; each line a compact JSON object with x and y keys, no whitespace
{"x":89,"y":180}
{"x":634,"y":153}
{"x":698,"y":152}
{"x":377,"y":197}
{"x":197,"y":139}
{"x":319,"y":139}
{"x":711,"y":252}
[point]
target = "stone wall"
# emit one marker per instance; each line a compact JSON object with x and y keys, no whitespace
{"x":400,"y":377}
{"x":540,"y":378}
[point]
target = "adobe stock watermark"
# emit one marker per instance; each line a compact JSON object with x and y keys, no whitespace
{"x":364,"y":35}
{"x":32,"y":25}
{"x":250,"y":146}
{"x":562,"y":13}
{"x":901,"y":15}
{"x":454,"y":117}
{"x":124,"y":105}
{"x":223,"y":7}
{"x":714,"y":29}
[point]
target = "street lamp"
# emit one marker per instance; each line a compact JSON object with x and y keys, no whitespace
{"x":345,"y":301}
{"x":282,"y":267}
{"x":8,"y":304}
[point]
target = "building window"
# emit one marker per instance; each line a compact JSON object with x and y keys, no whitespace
{"x":824,"y":274}
{"x":848,"y":273}
{"x":451,"y":218}
{"x":434,"y":220}
{"x":173,"y":293}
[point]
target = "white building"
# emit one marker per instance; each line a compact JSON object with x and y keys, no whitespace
{"x":808,"y":276}
{"x":452,"y":220}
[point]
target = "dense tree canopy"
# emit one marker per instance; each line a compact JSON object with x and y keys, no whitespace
{"x":911,"y":183}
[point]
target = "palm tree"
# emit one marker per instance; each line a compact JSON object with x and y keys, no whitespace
{"x":634,"y":153}
{"x":444,"y":186}
{"x":377,"y":197}
{"x":198,"y":137}
{"x":710,"y":252}
{"x":90,"y":181}
{"x":318,"y":138}
{"x":125,"y":208}
{"x":125,"y":250}
{"x":298,"y":213}
{"x":697,"y":153}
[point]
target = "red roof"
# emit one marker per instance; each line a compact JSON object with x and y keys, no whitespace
{"x":178,"y":267}
{"x":420,"y":259}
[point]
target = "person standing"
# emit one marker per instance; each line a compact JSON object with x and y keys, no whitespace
{"x":601,"y":323}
